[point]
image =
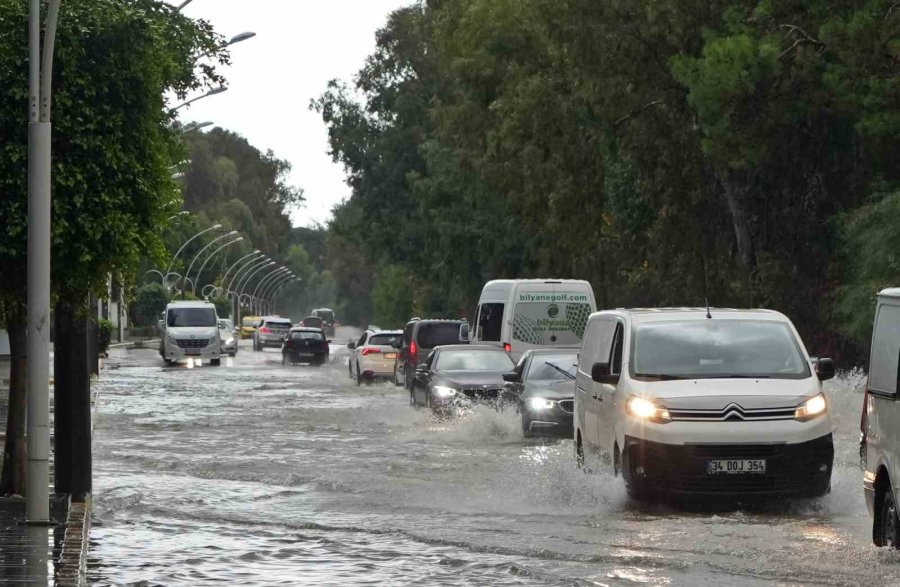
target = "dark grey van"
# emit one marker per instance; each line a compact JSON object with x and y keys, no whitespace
{"x":419,"y":338}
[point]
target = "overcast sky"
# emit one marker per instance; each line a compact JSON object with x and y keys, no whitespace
{"x":300,"y":45}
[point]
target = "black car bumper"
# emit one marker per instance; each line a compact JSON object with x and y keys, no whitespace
{"x":792,"y":470}
{"x":550,"y":422}
{"x":305,"y":356}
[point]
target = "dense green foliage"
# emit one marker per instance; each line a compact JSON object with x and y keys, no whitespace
{"x":668,"y":151}
{"x":149,"y":301}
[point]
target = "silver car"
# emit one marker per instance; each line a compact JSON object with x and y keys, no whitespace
{"x":228,"y":338}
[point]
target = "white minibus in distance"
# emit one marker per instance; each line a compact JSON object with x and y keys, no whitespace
{"x":522,"y":314}
{"x":881,"y":422}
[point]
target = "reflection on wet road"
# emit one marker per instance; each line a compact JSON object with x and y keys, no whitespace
{"x":256,"y":473}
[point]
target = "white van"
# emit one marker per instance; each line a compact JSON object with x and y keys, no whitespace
{"x":522,"y":314}
{"x":191,"y":331}
{"x":694,"y":402}
{"x":881,"y":422}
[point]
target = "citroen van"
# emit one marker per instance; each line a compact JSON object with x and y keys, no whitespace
{"x":881,"y":422}
{"x":522,"y":314}
{"x":191,"y":331}
{"x":692,"y":402}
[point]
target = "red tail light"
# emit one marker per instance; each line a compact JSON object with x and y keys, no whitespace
{"x":370,"y":351}
{"x":507,"y":347}
{"x":413,"y":351}
{"x":265,"y":330}
{"x":289,"y":343}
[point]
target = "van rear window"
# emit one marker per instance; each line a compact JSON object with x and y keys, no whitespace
{"x":437,"y":334}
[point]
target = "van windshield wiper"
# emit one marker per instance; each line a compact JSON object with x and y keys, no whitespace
{"x":661,"y":376}
{"x":561,"y":370}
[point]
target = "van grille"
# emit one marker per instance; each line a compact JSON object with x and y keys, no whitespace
{"x":732,"y":413}
{"x":192,"y":343}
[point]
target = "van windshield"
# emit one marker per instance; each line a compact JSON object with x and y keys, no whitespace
{"x":192,"y":317}
{"x":550,"y":319}
{"x":717,"y":349}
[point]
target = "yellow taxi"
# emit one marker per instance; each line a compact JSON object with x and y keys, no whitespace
{"x":249,"y":324}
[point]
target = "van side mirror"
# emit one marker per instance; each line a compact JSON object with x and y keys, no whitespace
{"x":422,"y":369}
{"x":511,"y":377}
{"x":824,"y":369}
{"x":351,"y":345}
{"x":396,"y":343}
{"x":161,"y":324}
{"x":464,"y":332}
{"x":600,"y":373}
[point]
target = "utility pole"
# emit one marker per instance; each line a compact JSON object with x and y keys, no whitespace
{"x":40,"y":82}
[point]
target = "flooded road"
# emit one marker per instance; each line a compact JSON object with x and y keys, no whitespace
{"x":255,"y":473}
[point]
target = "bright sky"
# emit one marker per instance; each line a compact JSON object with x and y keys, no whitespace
{"x":300,"y":46}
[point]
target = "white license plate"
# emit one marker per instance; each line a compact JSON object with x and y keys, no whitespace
{"x":736,"y":467}
{"x":193,"y":352}
{"x":304,"y":355}
{"x":390,"y":355}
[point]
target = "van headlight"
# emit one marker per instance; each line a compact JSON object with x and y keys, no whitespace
{"x":441,"y":391}
{"x":540,"y":404}
{"x":646,"y":410}
{"x":230,"y":340}
{"x":811,"y":408}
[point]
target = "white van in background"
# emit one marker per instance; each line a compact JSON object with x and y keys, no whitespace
{"x":522,"y":314}
{"x":191,"y":331}
{"x":881,"y":423}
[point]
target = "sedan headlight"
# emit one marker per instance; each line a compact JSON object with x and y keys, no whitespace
{"x":540,"y":404}
{"x":441,"y":391}
{"x":646,"y":410}
{"x":230,"y":340}
{"x":811,"y":408}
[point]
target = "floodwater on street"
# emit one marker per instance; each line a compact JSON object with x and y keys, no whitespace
{"x":257,"y":474}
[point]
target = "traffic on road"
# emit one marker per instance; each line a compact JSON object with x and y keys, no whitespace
{"x":727,"y":456}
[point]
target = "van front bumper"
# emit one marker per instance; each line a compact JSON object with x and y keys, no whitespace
{"x":792,"y":470}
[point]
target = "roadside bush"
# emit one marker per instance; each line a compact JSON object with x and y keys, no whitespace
{"x":104,"y":333}
{"x":150,"y":300}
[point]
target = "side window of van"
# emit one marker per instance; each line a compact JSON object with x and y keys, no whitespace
{"x":615,"y":367}
{"x":885,"y":350}
{"x":490,"y":322}
{"x":598,"y":342}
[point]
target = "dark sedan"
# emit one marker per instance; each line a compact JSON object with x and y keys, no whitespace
{"x":460,"y":375}
{"x":305,"y":345}
{"x":544,"y":383}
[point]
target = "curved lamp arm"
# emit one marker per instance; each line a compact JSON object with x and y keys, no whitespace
{"x":178,"y":252}
{"x":213,"y":254}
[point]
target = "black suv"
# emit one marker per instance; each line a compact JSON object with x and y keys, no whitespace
{"x":419,"y":338}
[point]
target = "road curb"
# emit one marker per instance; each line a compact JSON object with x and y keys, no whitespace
{"x":71,"y":570}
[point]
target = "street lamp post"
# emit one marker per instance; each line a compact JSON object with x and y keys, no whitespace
{"x":212,"y":92}
{"x":237,"y":278}
{"x":265,"y":281}
{"x":187,"y":274}
{"x":211,"y":255}
{"x":277,"y":291}
{"x":246,"y":280}
{"x":235,"y":264}
{"x":40,"y":84}
{"x":270,"y":287}
{"x":267,"y":292}
{"x":187,"y":242}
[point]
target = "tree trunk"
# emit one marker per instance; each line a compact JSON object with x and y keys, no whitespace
{"x":72,"y":399}
{"x":13,"y":480}
{"x":736,"y":187}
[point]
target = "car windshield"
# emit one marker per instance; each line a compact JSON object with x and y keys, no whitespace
{"x":560,"y":367}
{"x":717,"y":348}
{"x":312,"y":321}
{"x":179,"y":317}
{"x":474,"y":360}
{"x":225,"y":325}
{"x":437,"y":334}
{"x":384,"y":339}
{"x":252,"y":322}
{"x":278,"y":324}
{"x":306,"y":335}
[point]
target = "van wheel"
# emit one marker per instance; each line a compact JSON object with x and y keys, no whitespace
{"x":617,"y":461}
{"x":215,"y":362}
{"x":396,"y":379}
{"x":886,"y":527}
{"x":359,"y":376}
{"x":350,"y":369}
